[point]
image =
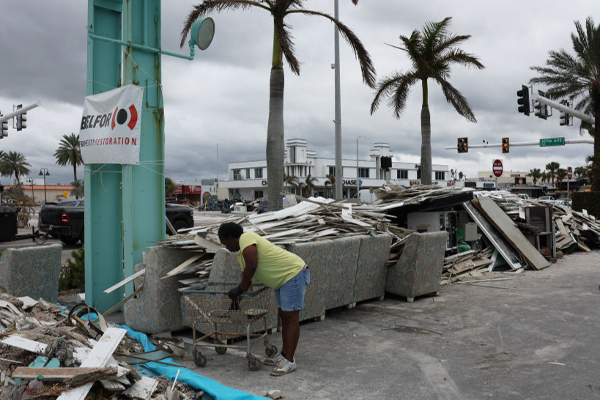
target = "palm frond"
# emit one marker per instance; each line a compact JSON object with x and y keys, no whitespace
{"x":364,"y":59}
{"x":216,"y":6}
{"x":458,"y":101}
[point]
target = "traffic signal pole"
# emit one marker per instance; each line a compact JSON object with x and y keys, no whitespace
{"x":564,"y":108}
{"x":513,"y":144}
{"x":20,"y":111}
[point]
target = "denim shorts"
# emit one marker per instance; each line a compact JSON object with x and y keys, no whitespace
{"x":290,"y":296}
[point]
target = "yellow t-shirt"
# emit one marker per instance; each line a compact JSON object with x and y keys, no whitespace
{"x":275,"y":266}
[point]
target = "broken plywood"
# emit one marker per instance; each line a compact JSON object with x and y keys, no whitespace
{"x":506,"y":226}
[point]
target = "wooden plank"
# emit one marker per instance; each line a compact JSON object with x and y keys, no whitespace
{"x":511,"y":233}
{"x":112,"y":386}
{"x":99,"y":356}
{"x":25,"y":344}
{"x":503,"y":247}
{"x":125,"y":281}
{"x":62,"y":373}
{"x":208,"y":246}
{"x":142,"y":389}
{"x":183,"y":266}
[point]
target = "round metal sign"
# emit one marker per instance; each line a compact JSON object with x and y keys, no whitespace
{"x":497,"y":168}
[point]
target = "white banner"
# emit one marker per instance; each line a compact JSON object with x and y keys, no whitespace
{"x":111,"y":126}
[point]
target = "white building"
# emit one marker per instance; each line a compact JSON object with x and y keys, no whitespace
{"x":248,"y":180}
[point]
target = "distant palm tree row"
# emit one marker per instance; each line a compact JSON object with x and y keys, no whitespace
{"x":554,"y":173}
{"x":68,"y":153}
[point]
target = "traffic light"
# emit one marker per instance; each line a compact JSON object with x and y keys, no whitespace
{"x":462,"y":145}
{"x":505,"y":145}
{"x":565,"y":119}
{"x":4,"y":129}
{"x":523,"y":100}
{"x":21,"y":119}
{"x":540,"y":110}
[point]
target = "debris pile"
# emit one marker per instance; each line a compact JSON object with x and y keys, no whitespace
{"x":310,"y":220}
{"x":48,"y":352}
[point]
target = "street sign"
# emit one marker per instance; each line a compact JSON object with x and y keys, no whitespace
{"x":497,"y":168}
{"x":569,"y":173}
{"x":557,"y":141}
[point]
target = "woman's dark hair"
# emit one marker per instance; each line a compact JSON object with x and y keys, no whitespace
{"x":230,"y":230}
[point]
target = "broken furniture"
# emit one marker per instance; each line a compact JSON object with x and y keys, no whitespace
{"x":157,"y":308}
{"x":418,"y":272}
{"x":32,"y":271}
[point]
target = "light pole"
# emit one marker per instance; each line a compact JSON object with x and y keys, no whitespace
{"x":44,"y":172}
{"x":32,"y":193}
{"x":357,"y":169}
{"x":339,"y":173}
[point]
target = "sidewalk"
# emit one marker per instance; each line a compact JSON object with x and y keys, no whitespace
{"x":533,"y":336}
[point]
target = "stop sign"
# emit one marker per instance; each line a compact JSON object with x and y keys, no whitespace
{"x":569,"y":172}
{"x":497,"y":168}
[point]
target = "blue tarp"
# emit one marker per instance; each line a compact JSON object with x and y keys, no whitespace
{"x":212,"y":389}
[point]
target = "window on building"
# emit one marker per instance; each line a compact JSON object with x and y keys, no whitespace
{"x":237,"y":176}
{"x":331,"y":170}
{"x":402,"y":174}
{"x":440,"y":175}
{"x":247,"y":173}
{"x":258,"y":194}
{"x":258,"y":173}
{"x":363,"y":172}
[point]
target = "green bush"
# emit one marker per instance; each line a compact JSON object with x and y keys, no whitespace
{"x":588,"y":200}
{"x":72,"y":275}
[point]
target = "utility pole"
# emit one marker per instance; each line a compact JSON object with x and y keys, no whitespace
{"x":338,"y":111}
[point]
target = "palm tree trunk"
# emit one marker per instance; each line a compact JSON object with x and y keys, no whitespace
{"x":275,"y":135}
{"x":75,"y":172}
{"x":425,"y":146}
{"x":596,"y":159}
{"x":425,"y":137}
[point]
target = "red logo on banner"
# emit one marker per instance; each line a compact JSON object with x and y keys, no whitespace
{"x":121,"y":116}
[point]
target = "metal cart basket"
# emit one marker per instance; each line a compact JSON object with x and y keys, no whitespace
{"x":211,"y":304}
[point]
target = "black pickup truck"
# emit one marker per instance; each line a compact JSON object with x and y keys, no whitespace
{"x":65,"y":219}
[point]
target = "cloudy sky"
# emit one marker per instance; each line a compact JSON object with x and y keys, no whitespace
{"x":220,"y":99}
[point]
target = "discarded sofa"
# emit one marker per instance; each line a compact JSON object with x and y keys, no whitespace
{"x":32,"y":271}
{"x":157,"y":308}
{"x":418,"y":272}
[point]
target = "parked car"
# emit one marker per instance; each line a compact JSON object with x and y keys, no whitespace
{"x":546,"y":198}
{"x":65,"y":219}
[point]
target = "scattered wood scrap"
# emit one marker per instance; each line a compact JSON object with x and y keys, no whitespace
{"x":72,"y":365}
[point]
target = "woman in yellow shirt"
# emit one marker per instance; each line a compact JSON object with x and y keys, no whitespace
{"x":279,"y":269}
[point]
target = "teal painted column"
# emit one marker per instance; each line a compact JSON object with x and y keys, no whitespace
{"x":143,"y":204}
{"x":124,"y":204}
{"x":103,"y":238}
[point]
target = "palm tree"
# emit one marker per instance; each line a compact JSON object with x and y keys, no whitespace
{"x":535,"y":174}
{"x":283,"y":45}
{"x":13,"y":163}
{"x":290,"y":180}
{"x":561,"y":174}
{"x":431,"y":52}
{"x":460,"y":175}
{"x":330,"y":180}
{"x":578,"y":76}
{"x":310,"y":184}
{"x":552,"y":167}
{"x":69,"y":152}
{"x":580,"y":171}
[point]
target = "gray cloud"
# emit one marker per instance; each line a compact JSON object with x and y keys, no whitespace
{"x":221,"y":97}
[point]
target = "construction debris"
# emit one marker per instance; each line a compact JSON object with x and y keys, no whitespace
{"x":46,"y":354}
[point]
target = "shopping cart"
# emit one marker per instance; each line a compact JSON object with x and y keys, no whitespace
{"x":211,"y":304}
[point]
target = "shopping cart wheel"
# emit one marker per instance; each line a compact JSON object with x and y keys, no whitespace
{"x":254,"y":363}
{"x":200,"y":359}
{"x":221,"y":350}
{"x":270,"y":350}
